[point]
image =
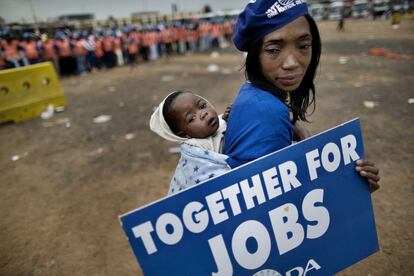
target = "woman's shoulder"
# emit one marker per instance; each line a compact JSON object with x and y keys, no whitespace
{"x":254,"y":99}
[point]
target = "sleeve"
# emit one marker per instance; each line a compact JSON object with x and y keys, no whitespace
{"x":256,"y":128}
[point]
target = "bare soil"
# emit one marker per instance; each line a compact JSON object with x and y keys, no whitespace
{"x":59,"y":203}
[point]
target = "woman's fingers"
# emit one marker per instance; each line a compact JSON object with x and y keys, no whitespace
{"x":368,"y":170}
{"x":373,"y":185}
{"x":370,"y":176}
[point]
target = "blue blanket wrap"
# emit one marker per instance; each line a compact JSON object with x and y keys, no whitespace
{"x":195,"y":166}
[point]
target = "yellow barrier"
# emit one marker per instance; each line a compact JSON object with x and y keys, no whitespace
{"x":26,"y":92}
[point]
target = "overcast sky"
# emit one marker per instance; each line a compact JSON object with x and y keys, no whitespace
{"x":19,"y":10}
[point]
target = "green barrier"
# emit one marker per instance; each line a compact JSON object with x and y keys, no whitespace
{"x":26,"y":92}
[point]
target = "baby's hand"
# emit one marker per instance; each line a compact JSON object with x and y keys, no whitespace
{"x":227,"y":112}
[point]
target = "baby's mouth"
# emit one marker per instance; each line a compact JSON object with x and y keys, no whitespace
{"x":211,"y":122}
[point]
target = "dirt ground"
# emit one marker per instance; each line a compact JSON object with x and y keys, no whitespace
{"x":59,"y":203}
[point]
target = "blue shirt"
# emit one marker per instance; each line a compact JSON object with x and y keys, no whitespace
{"x":258,"y":124}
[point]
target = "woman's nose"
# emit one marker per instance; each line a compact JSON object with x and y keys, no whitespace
{"x":290,"y":61}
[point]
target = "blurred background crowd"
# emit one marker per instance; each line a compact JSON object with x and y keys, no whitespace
{"x":82,"y":51}
{"x":78,"y":43}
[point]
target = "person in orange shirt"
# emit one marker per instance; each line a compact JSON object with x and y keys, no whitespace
{"x":10,"y":48}
{"x":182,"y":39}
{"x":67,"y":63}
{"x":192,"y":38}
{"x":166,"y":36}
{"x":118,"y":44}
{"x":2,"y":58}
{"x":108,"y":47}
{"x":132,"y":44}
{"x":204,"y":32}
{"x":99,"y":53}
{"x":153,"y":44}
{"x":146,"y":40}
{"x":80,"y":52}
{"x":216,"y":32}
{"x":49,"y":50}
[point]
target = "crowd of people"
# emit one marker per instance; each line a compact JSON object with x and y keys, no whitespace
{"x":79,"y":52}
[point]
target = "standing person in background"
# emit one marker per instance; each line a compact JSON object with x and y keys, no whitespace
{"x":30,"y":49}
{"x":49,"y":50}
{"x":216,"y":32}
{"x":10,"y":48}
{"x":132,"y":44}
{"x":283,"y":50}
{"x":118,"y":48}
{"x":341,"y":20}
{"x":108,"y":48}
{"x":67,"y":63}
{"x":80,"y":53}
{"x":89,"y":45}
{"x":146,"y":42}
{"x":153,"y":43}
{"x":192,"y":38}
{"x":182,"y":39}
{"x":99,"y":53}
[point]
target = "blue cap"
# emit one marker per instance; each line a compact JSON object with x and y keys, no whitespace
{"x":261,"y":17}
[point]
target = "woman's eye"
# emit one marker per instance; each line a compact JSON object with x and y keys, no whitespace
{"x":272,"y":50}
{"x":305,"y":46}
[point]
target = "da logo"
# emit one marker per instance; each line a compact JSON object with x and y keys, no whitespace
{"x":284,"y":2}
{"x":296,"y":271}
{"x":267,"y":272}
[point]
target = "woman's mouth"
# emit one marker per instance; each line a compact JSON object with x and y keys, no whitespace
{"x":289,"y":80}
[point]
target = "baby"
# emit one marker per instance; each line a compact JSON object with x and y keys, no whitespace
{"x":191,"y":120}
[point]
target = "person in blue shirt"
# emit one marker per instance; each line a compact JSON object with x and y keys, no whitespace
{"x":283,"y":49}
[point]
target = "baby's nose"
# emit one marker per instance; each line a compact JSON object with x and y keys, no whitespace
{"x":203,"y":114}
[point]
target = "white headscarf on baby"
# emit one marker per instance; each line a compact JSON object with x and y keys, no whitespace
{"x":160,"y":126}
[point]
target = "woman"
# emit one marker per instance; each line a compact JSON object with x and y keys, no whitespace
{"x":283,"y":49}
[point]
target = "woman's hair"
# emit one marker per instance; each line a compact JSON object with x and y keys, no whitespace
{"x":300,"y":99}
{"x":168,"y":112}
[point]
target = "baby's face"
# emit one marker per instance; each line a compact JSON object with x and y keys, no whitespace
{"x":194,"y":117}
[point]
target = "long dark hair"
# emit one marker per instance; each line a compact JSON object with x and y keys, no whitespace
{"x":302,"y":97}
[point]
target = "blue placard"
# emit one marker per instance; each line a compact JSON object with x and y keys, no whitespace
{"x":303,"y":210}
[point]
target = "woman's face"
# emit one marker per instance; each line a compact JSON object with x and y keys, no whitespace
{"x":286,"y":54}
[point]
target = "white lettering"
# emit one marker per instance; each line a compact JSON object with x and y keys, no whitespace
{"x":284,"y":221}
{"x":194,"y":219}
{"x":331,"y":148}
{"x":246,"y":230}
{"x":288,"y":171}
{"x":313,"y":163}
{"x":315,"y":213}
{"x":255,"y":191}
{"x":221,"y":256}
{"x":216,"y":207}
{"x":348,"y":144}
{"x":177,"y":228}
{"x":143,"y":231}
{"x":271,"y":182}
{"x":231,"y":193}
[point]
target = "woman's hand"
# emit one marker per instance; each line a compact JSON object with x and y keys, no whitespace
{"x":368,"y":170}
{"x":300,"y":132}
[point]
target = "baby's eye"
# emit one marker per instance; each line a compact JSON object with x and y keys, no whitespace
{"x":203,"y":105}
{"x":192,"y":118}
